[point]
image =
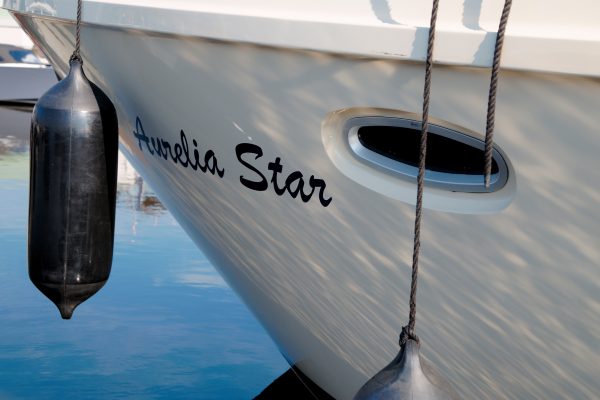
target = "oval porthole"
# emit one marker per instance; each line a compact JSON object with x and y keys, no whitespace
{"x":377,"y":148}
{"x":454,"y":159}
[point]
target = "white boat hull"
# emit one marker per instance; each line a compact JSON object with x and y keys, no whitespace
{"x":508,"y":302}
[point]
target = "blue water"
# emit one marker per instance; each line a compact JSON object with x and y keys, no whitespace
{"x":164,"y":326}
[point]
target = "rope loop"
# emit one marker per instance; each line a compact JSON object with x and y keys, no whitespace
{"x":75,"y":57}
{"x":407,"y":335}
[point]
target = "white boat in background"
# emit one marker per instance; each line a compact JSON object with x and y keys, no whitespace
{"x":11,"y":33}
{"x":24,"y":83}
{"x":24,"y":77}
{"x":259,"y":125}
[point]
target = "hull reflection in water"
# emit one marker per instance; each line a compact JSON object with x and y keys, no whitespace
{"x":508,"y":295}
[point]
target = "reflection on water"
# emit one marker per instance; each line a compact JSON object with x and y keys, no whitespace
{"x":14,"y":128}
{"x":133,"y":193}
{"x":165,"y":325}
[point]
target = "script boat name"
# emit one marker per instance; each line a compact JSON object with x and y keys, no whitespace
{"x":181,"y":153}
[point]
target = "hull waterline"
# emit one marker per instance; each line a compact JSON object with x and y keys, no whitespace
{"x":508,"y":296}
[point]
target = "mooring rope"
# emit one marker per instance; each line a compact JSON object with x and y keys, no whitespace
{"x":408,"y":331}
{"x":77,"y":53}
{"x":491,"y":110}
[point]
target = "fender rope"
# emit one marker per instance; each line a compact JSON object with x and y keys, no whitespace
{"x":77,"y":53}
{"x":408,"y":331}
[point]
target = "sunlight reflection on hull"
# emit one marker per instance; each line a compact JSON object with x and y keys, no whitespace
{"x":508,"y":303}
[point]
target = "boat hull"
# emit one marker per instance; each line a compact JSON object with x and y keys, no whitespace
{"x":508,"y":301}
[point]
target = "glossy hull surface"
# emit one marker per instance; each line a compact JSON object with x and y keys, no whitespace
{"x":508,"y":302}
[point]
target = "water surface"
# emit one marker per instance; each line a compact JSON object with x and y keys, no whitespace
{"x":165,"y":325}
